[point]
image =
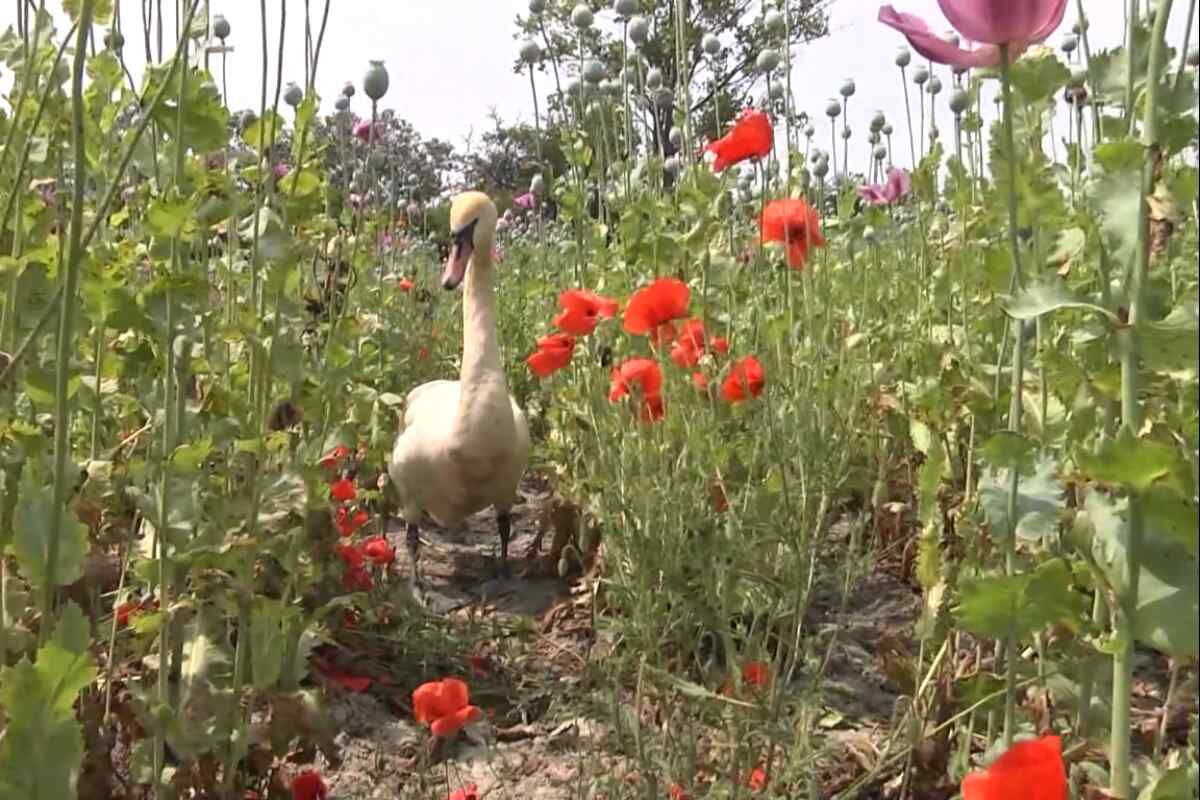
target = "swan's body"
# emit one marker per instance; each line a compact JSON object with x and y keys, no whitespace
{"x":465,"y":443}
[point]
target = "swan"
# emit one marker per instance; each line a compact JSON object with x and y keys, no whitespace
{"x":465,"y":444}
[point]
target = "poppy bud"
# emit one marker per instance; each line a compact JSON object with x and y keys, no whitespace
{"x":887,"y":129}
{"x":593,"y":71}
{"x":711,"y":44}
{"x":537,"y":6}
{"x":625,"y":8}
{"x":581,"y":16}
{"x":530,"y":50}
{"x":375,"y":82}
{"x":774,"y":22}
{"x":220,"y":27}
{"x":959,"y":100}
{"x":903,"y":57}
{"x":675,"y":137}
{"x":935,"y":85}
{"x":342,"y":103}
{"x":639,"y":29}
{"x":847,"y":88}
{"x":1069,"y":43}
{"x":833,"y":108}
{"x":809,"y":131}
{"x":348,"y":89}
{"x":767,"y":60}
{"x":114,"y":40}
{"x":654,"y":78}
{"x":293,"y":94}
{"x":920,"y":75}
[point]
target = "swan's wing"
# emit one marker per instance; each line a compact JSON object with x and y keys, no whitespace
{"x":440,"y":395}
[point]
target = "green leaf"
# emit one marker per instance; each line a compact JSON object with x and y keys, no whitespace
{"x":1168,"y":601}
{"x":204,"y":116}
{"x":267,"y":643}
{"x":263,"y":131}
{"x":102,"y":10}
{"x":1020,"y":605}
{"x":1172,"y":344}
{"x":1037,"y":494}
{"x":190,"y":456}
{"x":1042,"y":298}
{"x":300,"y":182}
{"x":1120,"y":156}
{"x":72,"y":633}
{"x":32,"y":537}
{"x":1137,"y":464}
{"x":1038,"y":74}
{"x":1010,"y":450}
{"x":167,"y":219}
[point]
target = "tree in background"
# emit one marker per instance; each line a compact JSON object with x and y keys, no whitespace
{"x":507,"y":158}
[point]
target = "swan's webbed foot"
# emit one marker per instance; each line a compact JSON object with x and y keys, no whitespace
{"x":504,"y":526}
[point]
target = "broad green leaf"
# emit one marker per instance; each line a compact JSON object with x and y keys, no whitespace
{"x":1042,"y":298}
{"x":72,"y":633}
{"x":102,"y":10}
{"x":169,"y":218}
{"x":1009,"y":450}
{"x":1168,"y":602}
{"x":1172,"y":344}
{"x":1137,"y":464}
{"x":1021,"y":605}
{"x":300,"y":183}
{"x":1038,"y":493}
{"x":204,"y":116}
{"x":190,"y":456}
{"x":1120,"y":156}
{"x":1174,"y":784}
{"x":266,"y":643}
{"x":263,"y":131}
{"x":31,"y":539}
{"x":1038,"y":74}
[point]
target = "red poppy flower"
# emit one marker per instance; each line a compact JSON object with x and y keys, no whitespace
{"x":677,"y":793}
{"x":757,"y":779}
{"x":379,"y":551}
{"x":652,"y":309}
{"x":351,"y":683}
{"x":348,"y":523}
{"x":692,"y":342}
{"x":719,"y":344}
{"x":652,"y":409}
{"x":744,"y":381}
{"x":582,"y":310}
{"x":756,"y":674}
{"x":700,"y":381}
{"x":554,"y":352}
{"x":335,"y":455}
{"x":343,"y":490}
{"x":357,"y":579}
{"x":406,"y":285}
{"x":794,"y":223}
{"x":468,"y":792}
{"x":351,"y":554}
{"x":751,"y":137}
{"x":1029,"y":770}
{"x":719,"y":499}
{"x":130,"y":609}
{"x":445,"y":706}
{"x":309,"y":786}
{"x":643,"y":374}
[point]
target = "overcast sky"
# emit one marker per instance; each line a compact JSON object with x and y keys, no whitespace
{"x":450,"y":61}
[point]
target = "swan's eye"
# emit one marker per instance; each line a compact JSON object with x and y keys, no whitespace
{"x":466,"y":234}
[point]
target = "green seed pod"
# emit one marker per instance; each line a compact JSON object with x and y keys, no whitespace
{"x":711,"y":44}
{"x":581,"y":16}
{"x":293,"y":94}
{"x":530,"y":51}
{"x":220,"y":27}
{"x":375,"y":81}
{"x":639,"y":29}
{"x":903,"y":57}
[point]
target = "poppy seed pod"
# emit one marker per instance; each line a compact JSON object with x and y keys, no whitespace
{"x":833,"y":108}
{"x":1069,"y":43}
{"x":675,"y":137}
{"x":639,"y":29}
{"x":220,"y":27}
{"x":711,"y":44}
{"x":846,"y":132}
{"x":816,"y":157}
{"x":767,"y":60}
{"x":880,"y":152}
{"x":847,"y":88}
{"x":530,"y":51}
{"x":664,"y":98}
{"x":672,"y":165}
{"x":625,"y":8}
{"x":348,"y":89}
{"x":537,"y":6}
{"x":809,"y":131}
{"x":903,"y":57}
{"x":375,"y":81}
{"x":581,"y":16}
{"x":935,"y":85}
{"x":959,"y":101}
{"x":114,"y":40}
{"x":821,"y":169}
{"x":538,"y":185}
{"x":773,"y":22}
{"x":933,"y":134}
{"x":873,"y":137}
{"x":593,"y":71}
{"x":342,"y":103}
{"x":776,"y":91}
{"x":920,"y":75}
{"x":1077,"y":79}
{"x":293,"y":94}
{"x":654,"y":78}
{"x":1193,"y":57}
{"x":878,"y":121}
{"x":887,"y":129}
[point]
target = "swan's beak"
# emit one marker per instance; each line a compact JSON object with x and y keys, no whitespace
{"x":460,"y":256}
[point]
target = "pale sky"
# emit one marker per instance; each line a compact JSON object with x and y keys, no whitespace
{"x":450,"y":60}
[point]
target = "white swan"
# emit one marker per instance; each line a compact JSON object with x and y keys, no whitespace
{"x":465,"y":443}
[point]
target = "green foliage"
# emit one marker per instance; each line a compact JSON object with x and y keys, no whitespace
{"x":31,"y":527}
{"x":1020,"y":605}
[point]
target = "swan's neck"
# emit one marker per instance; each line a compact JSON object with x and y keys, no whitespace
{"x":483,"y":388}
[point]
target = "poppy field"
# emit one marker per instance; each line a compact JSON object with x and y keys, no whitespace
{"x":838,"y":474}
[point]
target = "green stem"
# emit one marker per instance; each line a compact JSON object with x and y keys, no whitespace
{"x":66,"y":324}
{"x":1018,"y":380}
{"x":1131,"y":419}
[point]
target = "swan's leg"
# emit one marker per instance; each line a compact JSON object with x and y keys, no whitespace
{"x":504,"y":526}
{"x":413,"y":540}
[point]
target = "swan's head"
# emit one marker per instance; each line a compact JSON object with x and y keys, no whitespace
{"x":472,"y":229}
